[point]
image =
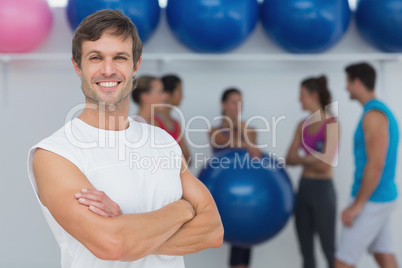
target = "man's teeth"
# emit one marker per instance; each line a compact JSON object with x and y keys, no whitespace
{"x":108,"y":84}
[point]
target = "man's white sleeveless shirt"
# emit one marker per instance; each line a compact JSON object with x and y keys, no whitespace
{"x":138,"y":168}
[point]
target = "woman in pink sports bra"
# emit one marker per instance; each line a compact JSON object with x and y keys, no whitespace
{"x":315,"y":208}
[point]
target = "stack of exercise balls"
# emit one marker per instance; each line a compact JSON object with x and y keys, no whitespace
{"x":144,"y":13}
{"x":212,"y":26}
{"x":24,"y":25}
{"x":306,"y":26}
{"x":218,"y":26}
{"x":380,"y":23}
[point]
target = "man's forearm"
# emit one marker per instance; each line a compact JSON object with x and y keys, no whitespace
{"x":142,"y":234}
{"x":203,"y":231}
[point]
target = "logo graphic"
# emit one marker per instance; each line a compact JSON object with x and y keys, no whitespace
{"x":329,"y":154}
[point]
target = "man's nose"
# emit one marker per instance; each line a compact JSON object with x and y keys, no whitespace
{"x":108,"y":67}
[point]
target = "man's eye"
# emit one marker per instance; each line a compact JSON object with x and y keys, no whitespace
{"x":121,"y":58}
{"x":94,"y":58}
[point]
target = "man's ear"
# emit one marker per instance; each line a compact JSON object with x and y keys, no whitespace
{"x":355,"y":80}
{"x":76,"y":68}
{"x":358,"y":82}
{"x":137,"y":66}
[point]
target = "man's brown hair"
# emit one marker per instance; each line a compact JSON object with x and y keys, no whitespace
{"x":92,"y":27}
{"x":363,"y":71}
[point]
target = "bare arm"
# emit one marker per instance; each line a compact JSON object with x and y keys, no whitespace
{"x":185,"y":150}
{"x":219,"y":139}
{"x":246,"y":140}
{"x":120,"y":238}
{"x":375,"y":127}
{"x":250,"y":137}
{"x":251,"y":142}
{"x":292,"y":157}
{"x":230,"y":135}
{"x":205,"y":230}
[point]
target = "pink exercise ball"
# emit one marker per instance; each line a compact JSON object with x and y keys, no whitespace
{"x":24,"y":25}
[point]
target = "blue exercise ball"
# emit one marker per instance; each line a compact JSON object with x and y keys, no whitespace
{"x":380,"y":23}
{"x":143,"y":13}
{"x":306,"y":26}
{"x":212,"y":26}
{"x":254,"y":197}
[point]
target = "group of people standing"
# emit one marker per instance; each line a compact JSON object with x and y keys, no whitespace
{"x":366,"y":225}
{"x":314,"y":147}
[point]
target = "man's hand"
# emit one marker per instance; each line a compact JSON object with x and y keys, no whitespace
{"x":350,"y":213}
{"x":204,"y":230}
{"x":188,"y":207}
{"x":99,"y":203}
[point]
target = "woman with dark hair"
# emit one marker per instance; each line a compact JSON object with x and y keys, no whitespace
{"x":234,"y":133}
{"x":173,"y":88}
{"x":150,"y":97}
{"x":318,"y":137}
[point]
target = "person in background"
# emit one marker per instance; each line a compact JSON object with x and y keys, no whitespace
{"x":150,"y":97}
{"x":366,"y":219}
{"x":173,"y":88}
{"x":315,"y":208}
{"x":233,"y":133}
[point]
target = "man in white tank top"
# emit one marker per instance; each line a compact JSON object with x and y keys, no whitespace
{"x":162,"y":211}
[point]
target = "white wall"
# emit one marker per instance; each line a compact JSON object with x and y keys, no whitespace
{"x":42,"y":92}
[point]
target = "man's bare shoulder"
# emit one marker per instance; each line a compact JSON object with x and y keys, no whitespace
{"x":374,"y":119}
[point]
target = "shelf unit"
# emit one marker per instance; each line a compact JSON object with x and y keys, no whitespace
{"x":162,"y":58}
